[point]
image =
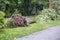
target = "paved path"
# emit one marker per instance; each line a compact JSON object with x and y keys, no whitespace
{"x":49,"y":34}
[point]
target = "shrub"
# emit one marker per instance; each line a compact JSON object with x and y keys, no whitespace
{"x":16,"y":11}
{"x":8,"y":14}
{"x":10,"y":24}
{"x":19,"y":20}
{"x":47,"y":15}
{"x":2,"y":20}
{"x":56,"y":6}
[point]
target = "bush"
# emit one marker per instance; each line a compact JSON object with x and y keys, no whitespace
{"x":47,"y":15}
{"x":8,"y":14}
{"x":56,"y":6}
{"x":2,"y":20}
{"x":19,"y":20}
{"x":10,"y":24}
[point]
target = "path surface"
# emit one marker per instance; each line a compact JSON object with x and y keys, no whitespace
{"x":49,"y":34}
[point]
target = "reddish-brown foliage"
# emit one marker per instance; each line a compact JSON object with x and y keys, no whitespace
{"x":19,"y":20}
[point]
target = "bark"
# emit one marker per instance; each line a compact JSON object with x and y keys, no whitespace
{"x":50,"y":3}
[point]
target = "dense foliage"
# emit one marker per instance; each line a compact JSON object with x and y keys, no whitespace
{"x":47,"y":15}
{"x":56,"y":5}
{"x":10,"y":24}
{"x":19,"y":20}
{"x":45,"y":19}
{"x":25,"y":7}
{"x":2,"y":20}
{"x":16,"y":21}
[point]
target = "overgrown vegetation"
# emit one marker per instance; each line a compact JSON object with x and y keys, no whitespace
{"x":46,"y":18}
{"x":47,"y":15}
{"x":10,"y":24}
{"x":2,"y":19}
{"x":24,"y":7}
{"x":56,"y":6}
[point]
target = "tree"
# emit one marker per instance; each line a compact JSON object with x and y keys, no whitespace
{"x":50,"y":3}
{"x":25,"y":7}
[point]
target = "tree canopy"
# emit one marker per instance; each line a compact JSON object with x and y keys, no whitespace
{"x":9,"y":6}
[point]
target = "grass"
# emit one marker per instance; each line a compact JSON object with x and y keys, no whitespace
{"x":12,"y":33}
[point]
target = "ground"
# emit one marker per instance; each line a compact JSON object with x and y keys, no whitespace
{"x":14,"y":33}
{"x":28,"y":18}
{"x":49,"y":34}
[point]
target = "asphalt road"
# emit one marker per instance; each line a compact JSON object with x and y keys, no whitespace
{"x":48,"y":34}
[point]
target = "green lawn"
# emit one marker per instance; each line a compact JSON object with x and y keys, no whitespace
{"x":11,"y":33}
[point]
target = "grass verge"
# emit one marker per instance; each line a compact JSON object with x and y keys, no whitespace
{"x":12,"y":33}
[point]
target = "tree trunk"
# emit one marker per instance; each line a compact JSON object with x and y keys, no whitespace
{"x":50,"y":3}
